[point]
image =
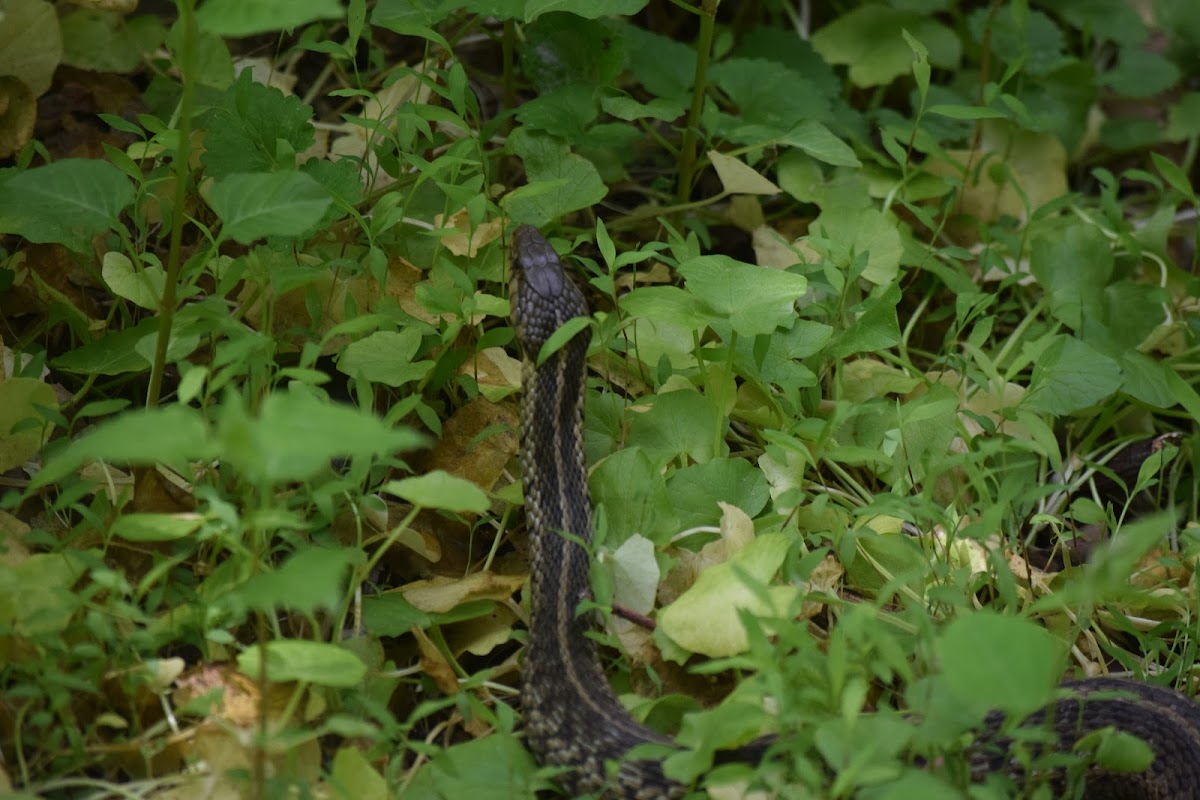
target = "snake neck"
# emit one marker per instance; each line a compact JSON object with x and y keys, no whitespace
{"x":573,"y":718}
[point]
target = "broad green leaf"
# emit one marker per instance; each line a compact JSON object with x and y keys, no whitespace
{"x":561,"y":49}
{"x":1018,"y":684}
{"x":876,"y":327}
{"x":589,"y":9}
{"x":1071,"y":375}
{"x":571,"y":181}
{"x":385,"y":357}
{"x":67,"y":202}
{"x":754,"y":300}
{"x":143,"y":437}
{"x":682,"y":423}
{"x":868,"y":39}
{"x":668,"y":304}
{"x":111,"y":354}
{"x":312,"y":579}
{"x":295,"y":436}
{"x":30,"y":43}
{"x":105,"y":42}
{"x":1073,"y":263}
{"x":389,"y":614}
{"x":296,"y":660}
{"x":142,"y":287}
{"x":257,"y":205}
{"x":440,"y":489}
{"x":634,"y":497}
{"x":19,"y":401}
{"x":37,"y":596}
{"x":1140,"y":73}
{"x":863,"y":230}
{"x":697,"y":489}
{"x":249,"y":17}
{"x":496,"y":767}
{"x":705,"y":619}
{"x":353,"y":774}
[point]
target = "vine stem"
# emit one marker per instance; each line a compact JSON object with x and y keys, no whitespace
{"x":687,"y":150}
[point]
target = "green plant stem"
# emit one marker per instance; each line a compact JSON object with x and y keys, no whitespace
{"x":687,"y":151}
{"x":166,"y":310}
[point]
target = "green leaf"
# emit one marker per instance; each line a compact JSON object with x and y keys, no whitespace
{"x":496,"y":767}
{"x":109,"y":42}
{"x":439,"y":489}
{"x":19,"y":401}
{"x":561,"y":49}
{"x":249,"y":17}
{"x":143,"y":287}
{"x":869,"y":40}
{"x":819,"y":142}
{"x":294,"y":660}
{"x":390,"y":614}
{"x":245,"y":132}
{"x":1069,"y":376}
{"x":147,"y":527}
{"x":682,"y":423}
{"x":563,"y":334}
{"x":633,"y":495}
{"x":668,"y":304}
{"x":858,"y":231}
{"x":142,"y":437}
{"x":1140,"y":73}
{"x":311,"y":580}
{"x":754,"y":300}
{"x":385,"y":357}
{"x":696,"y":490}
{"x":626,"y":108}
{"x":67,"y":202}
{"x":705,"y":619}
{"x":295,"y":436}
{"x":258,"y":205}
{"x":568,"y":182}
{"x":1017,"y":685}
{"x":36,"y":594}
{"x":589,"y":9}
{"x":1073,"y":263}
{"x":112,"y":354}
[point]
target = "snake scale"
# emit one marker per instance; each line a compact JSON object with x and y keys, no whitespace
{"x":572,"y":717}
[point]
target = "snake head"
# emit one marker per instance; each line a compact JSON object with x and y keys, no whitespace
{"x":543,"y":295}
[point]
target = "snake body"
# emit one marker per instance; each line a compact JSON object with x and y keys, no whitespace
{"x":572,"y":717}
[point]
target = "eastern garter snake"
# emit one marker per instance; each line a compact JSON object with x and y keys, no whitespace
{"x":572,"y":717}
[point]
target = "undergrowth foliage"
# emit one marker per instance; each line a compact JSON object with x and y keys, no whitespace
{"x":890,"y":416}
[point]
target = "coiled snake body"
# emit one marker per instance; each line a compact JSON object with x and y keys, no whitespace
{"x":572,"y":717}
